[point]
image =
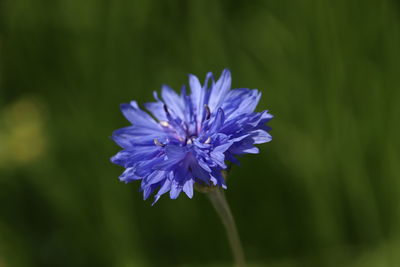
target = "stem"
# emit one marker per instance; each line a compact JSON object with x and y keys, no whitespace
{"x":218,"y":200}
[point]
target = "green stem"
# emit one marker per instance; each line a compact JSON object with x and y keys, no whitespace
{"x":218,"y":200}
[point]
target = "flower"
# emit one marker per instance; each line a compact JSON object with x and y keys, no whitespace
{"x":188,"y":137}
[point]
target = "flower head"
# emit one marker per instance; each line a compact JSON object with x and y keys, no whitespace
{"x":188,"y":137}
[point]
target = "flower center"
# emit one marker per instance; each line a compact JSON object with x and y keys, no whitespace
{"x":181,"y":130}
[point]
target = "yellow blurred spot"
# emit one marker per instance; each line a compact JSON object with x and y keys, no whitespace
{"x":22,"y":138}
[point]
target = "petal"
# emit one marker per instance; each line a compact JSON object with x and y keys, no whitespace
{"x":196,"y":90}
{"x":136,"y":116}
{"x":244,"y":146}
{"x":260,"y":136}
{"x":173,"y":101}
{"x":260,"y":118}
{"x":176,"y":189}
{"x":174,"y":155}
{"x":199,"y":173}
{"x":240,"y":101}
{"x":121,"y":138}
{"x":136,"y":154}
{"x":252,"y":150}
{"x":129,"y":175}
{"x":188,"y":188}
{"x":204,"y":166}
{"x":218,"y":178}
{"x":218,"y":158}
{"x":190,"y":117}
{"x":217,"y":123}
{"x":157,"y":109}
{"x":222,"y":148}
{"x":154,"y":178}
{"x":175,"y":152}
{"x":148,"y":190}
{"x":121,"y":157}
{"x":166,"y":186}
{"x":145,"y":167}
{"x":199,"y":96}
{"x":220,"y":90}
{"x":137,"y":135}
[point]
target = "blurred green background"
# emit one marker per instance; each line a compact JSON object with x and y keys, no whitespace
{"x":325,"y":192}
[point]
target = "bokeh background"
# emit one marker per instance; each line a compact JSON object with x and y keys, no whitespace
{"x":325,"y":192}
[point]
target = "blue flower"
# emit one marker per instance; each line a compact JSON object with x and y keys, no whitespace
{"x":188,"y":137}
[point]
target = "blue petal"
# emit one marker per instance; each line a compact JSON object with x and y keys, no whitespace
{"x":154,"y":178}
{"x":188,"y":188}
{"x":145,"y":167}
{"x":175,"y":152}
{"x":135,"y":154}
{"x":240,"y":101}
{"x":218,"y":179}
{"x":220,"y":90}
{"x":135,"y":135}
{"x":197,"y":92}
{"x":122,"y":139}
{"x":204,"y":165}
{"x":261,"y":118}
{"x":244,"y":146}
{"x":173,"y":101}
{"x":217,"y":123}
{"x":200,"y":173}
{"x":164,"y":189}
{"x":251,"y":150}
{"x":260,"y":136}
{"x":129,"y":175}
{"x":147,"y":191}
{"x":218,"y":158}
{"x":222,"y":148}
{"x":136,"y":116}
{"x":218,"y":155}
{"x":121,"y":157}
{"x":176,"y":189}
{"x":157,"y":109}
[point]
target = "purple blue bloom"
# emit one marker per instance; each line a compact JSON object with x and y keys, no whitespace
{"x":187,"y":138}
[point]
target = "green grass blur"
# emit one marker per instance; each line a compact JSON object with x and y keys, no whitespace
{"x":325,"y":192}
